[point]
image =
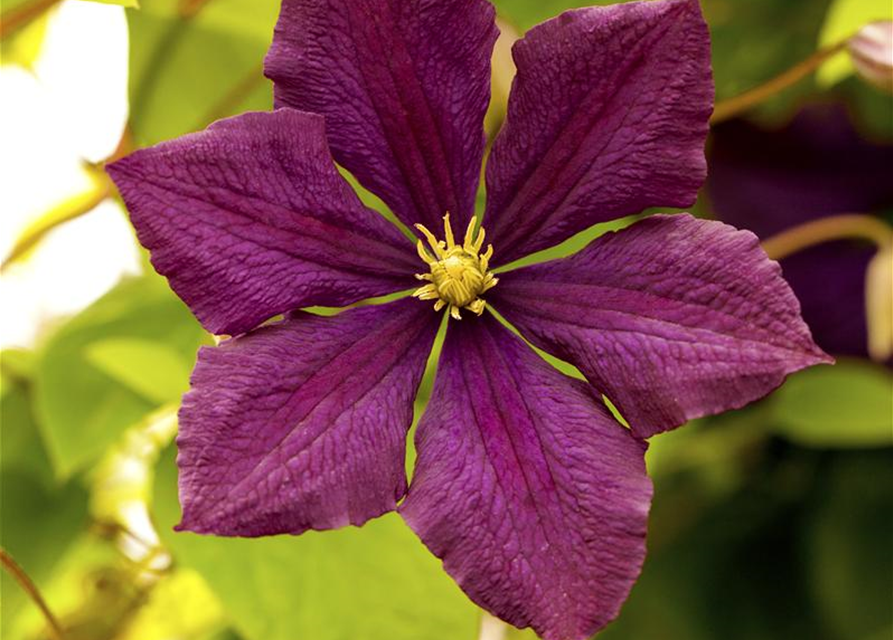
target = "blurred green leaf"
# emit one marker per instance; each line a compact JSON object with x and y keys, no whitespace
{"x":849,"y":404}
{"x":525,"y":14}
{"x":83,"y":409}
{"x":21,"y":443}
{"x":38,"y":518}
{"x":39,"y":524}
{"x":849,"y":546}
{"x":9,"y":5}
{"x":152,"y":369}
{"x":871,"y":108}
{"x":748,"y":47}
{"x":195,"y":61}
{"x":752,"y":41}
{"x":376,"y":582}
{"x":727,"y":568}
{"x":16,"y":365}
{"x":843,"y":19}
{"x":91,"y":590}
{"x":180,"y":606}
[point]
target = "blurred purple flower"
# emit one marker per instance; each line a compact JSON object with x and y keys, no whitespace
{"x":534,"y":496}
{"x":817,"y":166}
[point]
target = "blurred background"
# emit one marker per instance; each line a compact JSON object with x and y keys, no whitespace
{"x":772,"y":522}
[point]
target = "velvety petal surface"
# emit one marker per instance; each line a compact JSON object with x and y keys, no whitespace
{"x":404,"y":85}
{"x":250,"y":218}
{"x":302,"y":424}
{"x":672,"y":318}
{"x":533,"y":495}
{"x":817,"y":166}
{"x":607,"y":116}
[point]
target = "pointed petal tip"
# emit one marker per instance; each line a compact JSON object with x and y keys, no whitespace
{"x":402,"y":86}
{"x":302,"y":424}
{"x":231,"y":213}
{"x":712,"y":323}
{"x":533,"y":496}
{"x":618,"y":139}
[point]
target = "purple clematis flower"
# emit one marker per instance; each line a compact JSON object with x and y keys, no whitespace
{"x":532,"y":493}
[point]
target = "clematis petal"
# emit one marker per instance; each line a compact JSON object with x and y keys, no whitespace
{"x":608,"y":116}
{"x":403,"y":84}
{"x":673,"y":318}
{"x":302,"y":424}
{"x":817,"y":166}
{"x":532,"y":494}
{"x":250,"y":218}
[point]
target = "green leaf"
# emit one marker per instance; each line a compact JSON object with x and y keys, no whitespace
{"x":849,"y":404}
{"x":151,"y":369}
{"x":83,"y":408}
{"x":752,"y":40}
{"x":195,"y":62}
{"x":376,"y":582}
{"x":39,"y":524}
{"x":17,"y":366}
{"x":848,"y":546}
{"x":22,"y":446}
{"x":843,"y":19}
{"x":525,"y":14}
{"x":40,"y":519}
{"x":755,"y":40}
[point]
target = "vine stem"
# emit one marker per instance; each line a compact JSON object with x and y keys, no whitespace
{"x":15,"y":19}
{"x":727,"y":109}
{"x":235,"y":97}
{"x":28,"y":586}
{"x":69,"y":210}
{"x":859,"y":226}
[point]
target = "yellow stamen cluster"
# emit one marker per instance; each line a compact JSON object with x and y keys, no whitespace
{"x":459,"y":273}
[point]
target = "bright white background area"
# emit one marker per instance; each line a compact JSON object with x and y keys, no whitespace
{"x":69,"y":107}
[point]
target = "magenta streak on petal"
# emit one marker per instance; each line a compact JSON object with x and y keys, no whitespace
{"x":250,"y":219}
{"x":673,"y":318}
{"x":302,"y":424}
{"x":403,"y":85}
{"x":525,"y":485}
{"x":608,"y":116}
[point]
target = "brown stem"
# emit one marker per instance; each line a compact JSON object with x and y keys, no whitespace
{"x":62,"y":213}
{"x":188,"y":9}
{"x":23,"y":15}
{"x":28,"y":586}
{"x":234,"y":97}
{"x":73,"y":207}
{"x":727,"y":109}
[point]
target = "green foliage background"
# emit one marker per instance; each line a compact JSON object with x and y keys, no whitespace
{"x":773,"y":522}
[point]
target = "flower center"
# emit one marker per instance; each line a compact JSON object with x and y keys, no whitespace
{"x":458,"y":272}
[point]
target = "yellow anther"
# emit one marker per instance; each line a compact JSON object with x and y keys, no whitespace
{"x":458,"y":274}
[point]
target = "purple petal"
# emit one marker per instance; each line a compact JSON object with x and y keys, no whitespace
{"x":607,"y":117}
{"x":404,"y":85}
{"x":673,"y":318}
{"x":532,"y":494}
{"x":250,"y":218}
{"x":302,"y":424}
{"x":769,"y":181}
